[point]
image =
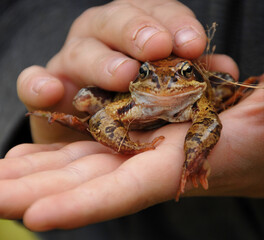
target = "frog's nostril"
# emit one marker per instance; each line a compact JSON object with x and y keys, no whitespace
{"x":174,"y":79}
{"x":155,"y":80}
{"x":171,"y":81}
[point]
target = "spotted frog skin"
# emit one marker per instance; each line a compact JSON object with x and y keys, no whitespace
{"x":168,"y":90}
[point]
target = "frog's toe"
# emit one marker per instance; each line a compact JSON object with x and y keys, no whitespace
{"x":184,"y":176}
{"x":191,"y":173}
{"x":156,"y":140}
{"x":204,"y":173}
{"x":142,"y":147}
{"x":204,"y":181}
{"x":194,"y":181}
{"x":152,"y":145}
{"x":67,"y":120}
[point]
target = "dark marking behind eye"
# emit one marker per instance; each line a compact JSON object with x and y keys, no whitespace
{"x":198,"y":75}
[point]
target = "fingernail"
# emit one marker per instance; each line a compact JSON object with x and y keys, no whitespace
{"x":111,"y":68}
{"x":143,"y":35}
{"x":39,"y":83}
{"x":185,"y":35}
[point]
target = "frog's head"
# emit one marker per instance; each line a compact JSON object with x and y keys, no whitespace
{"x":170,"y":79}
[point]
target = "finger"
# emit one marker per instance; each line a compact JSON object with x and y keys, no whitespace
{"x":124,"y":26}
{"x":140,"y":182}
{"x":221,"y":63}
{"x":27,"y":148}
{"x":38,"y":89}
{"x":19,"y":166}
{"x":45,"y":183}
{"x":188,"y":35}
{"x":87,"y":61}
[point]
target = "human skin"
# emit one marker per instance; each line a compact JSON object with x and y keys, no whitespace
{"x":67,"y":185}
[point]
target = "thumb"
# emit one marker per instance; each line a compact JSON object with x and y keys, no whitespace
{"x":37,"y":89}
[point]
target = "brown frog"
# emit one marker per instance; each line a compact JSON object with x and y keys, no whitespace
{"x":168,"y":90}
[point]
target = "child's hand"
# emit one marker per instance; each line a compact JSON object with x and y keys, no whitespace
{"x":102,"y":49}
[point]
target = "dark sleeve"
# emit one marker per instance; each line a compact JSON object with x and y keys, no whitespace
{"x":31,"y":32}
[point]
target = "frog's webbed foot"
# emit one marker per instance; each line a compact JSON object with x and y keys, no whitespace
{"x":191,"y":173}
{"x":67,"y":120}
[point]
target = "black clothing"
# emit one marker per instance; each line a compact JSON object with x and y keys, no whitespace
{"x":31,"y":32}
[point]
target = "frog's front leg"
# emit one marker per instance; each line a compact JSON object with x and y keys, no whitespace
{"x":67,"y":120}
{"x":199,"y":141}
{"x":111,"y":132}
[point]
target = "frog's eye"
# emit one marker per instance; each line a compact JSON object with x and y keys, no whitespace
{"x":144,"y":70}
{"x":186,"y":70}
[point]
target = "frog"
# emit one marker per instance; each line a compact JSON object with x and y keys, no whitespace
{"x":170,"y":90}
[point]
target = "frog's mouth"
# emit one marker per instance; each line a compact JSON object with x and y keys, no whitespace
{"x":185,"y":95}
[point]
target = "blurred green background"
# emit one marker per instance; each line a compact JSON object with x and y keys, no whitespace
{"x":12,"y":230}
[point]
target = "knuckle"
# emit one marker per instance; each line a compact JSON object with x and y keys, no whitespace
{"x":73,"y":50}
{"x":131,"y":28}
{"x":182,"y":9}
{"x":85,"y":17}
{"x":111,"y":11}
